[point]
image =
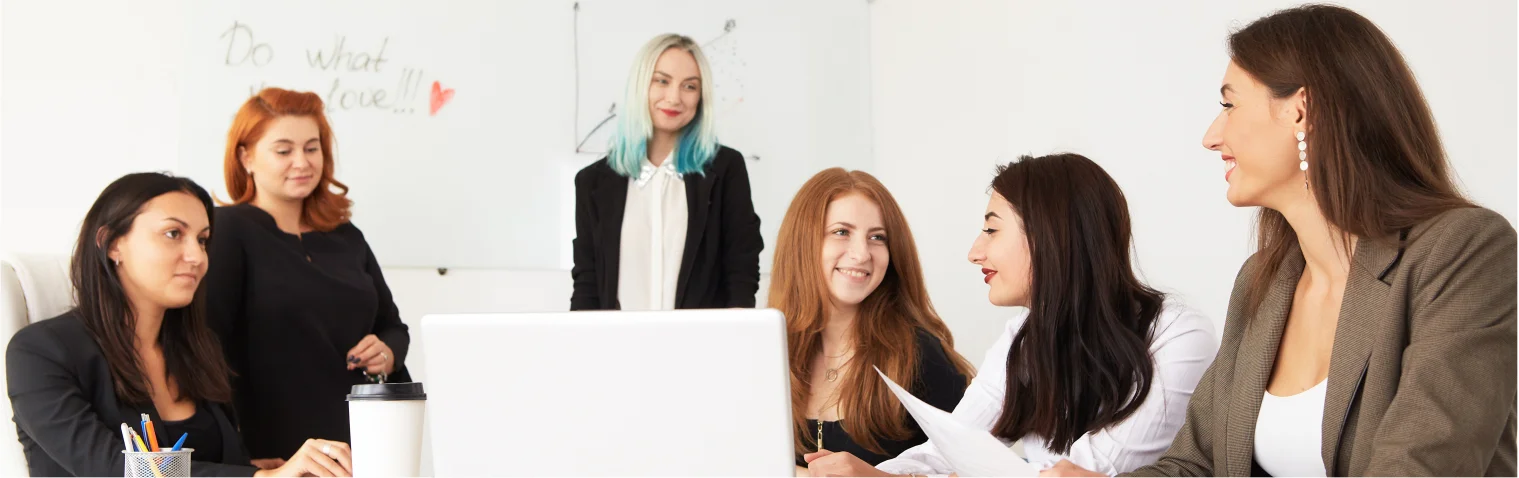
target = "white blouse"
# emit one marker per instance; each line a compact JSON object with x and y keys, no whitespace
{"x":653,"y":238}
{"x":1288,"y":433}
{"x":1183,"y":348}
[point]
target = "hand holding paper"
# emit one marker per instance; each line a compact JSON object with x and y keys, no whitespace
{"x":970,"y":451}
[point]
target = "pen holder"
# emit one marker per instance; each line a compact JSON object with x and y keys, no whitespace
{"x":165,"y":464}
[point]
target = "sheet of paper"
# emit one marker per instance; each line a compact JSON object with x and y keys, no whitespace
{"x":970,"y":451}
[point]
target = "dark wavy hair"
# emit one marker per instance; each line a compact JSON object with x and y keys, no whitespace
{"x":1082,"y":360}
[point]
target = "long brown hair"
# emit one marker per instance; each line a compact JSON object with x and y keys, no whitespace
{"x":328,"y":205}
{"x":192,"y":354}
{"x":1082,"y":360}
{"x":1375,"y":163}
{"x":888,"y":321}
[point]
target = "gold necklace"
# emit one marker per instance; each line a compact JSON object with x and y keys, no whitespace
{"x":832,"y":373}
{"x":820,"y":432}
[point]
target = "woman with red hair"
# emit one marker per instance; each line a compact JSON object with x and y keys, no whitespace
{"x":296,"y":295}
{"x":848,"y":280}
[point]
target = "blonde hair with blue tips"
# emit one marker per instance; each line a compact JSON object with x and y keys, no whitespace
{"x":697,"y":144}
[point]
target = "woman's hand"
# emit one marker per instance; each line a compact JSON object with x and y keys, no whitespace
{"x":1066,"y":468}
{"x":316,"y":458}
{"x":827,"y":463}
{"x":372,"y":355}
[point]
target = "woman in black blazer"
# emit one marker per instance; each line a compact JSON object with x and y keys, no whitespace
{"x":665,"y":221}
{"x":136,"y":344}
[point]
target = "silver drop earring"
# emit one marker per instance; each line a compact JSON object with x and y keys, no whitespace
{"x":1302,"y":157}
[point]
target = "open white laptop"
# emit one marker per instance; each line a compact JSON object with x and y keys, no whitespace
{"x":680,"y":393}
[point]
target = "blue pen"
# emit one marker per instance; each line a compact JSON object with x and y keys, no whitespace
{"x":180,"y":443}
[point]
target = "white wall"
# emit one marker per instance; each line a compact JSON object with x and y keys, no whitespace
{"x":960,"y":85}
{"x":2,"y":137}
{"x":98,"y":59}
{"x":942,"y":81}
{"x":957,"y":85}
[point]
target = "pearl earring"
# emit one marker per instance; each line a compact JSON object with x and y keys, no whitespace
{"x":1302,"y":157}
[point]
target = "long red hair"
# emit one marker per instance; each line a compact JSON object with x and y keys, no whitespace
{"x":328,"y":205}
{"x":888,"y":321}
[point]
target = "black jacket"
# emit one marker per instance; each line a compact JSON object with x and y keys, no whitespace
{"x":66,"y":411}
{"x":720,"y":266}
{"x":287,"y":310}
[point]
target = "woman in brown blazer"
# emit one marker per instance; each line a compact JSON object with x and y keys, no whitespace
{"x":1373,"y":333}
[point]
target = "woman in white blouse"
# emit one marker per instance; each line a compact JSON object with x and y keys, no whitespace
{"x":665,"y":221}
{"x":1105,"y":365}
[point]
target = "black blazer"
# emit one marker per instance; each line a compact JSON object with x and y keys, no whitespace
{"x":66,"y":412}
{"x":720,"y":266}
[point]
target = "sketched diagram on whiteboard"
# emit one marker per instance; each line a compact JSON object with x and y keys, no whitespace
{"x":598,"y":96}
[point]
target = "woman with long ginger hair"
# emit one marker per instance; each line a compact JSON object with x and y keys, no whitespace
{"x":847,"y":278}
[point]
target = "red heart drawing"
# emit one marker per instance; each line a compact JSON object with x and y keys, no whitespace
{"x":440,"y":97}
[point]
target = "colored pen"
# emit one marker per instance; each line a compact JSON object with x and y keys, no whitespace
{"x":180,"y":443}
{"x":140,"y":445}
{"x":126,"y":437}
{"x":147,"y":429}
{"x":138,"y":439}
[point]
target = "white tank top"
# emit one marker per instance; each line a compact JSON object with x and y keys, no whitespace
{"x":1289,"y":432}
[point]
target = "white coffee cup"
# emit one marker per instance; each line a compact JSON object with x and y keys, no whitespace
{"x":385,"y":426}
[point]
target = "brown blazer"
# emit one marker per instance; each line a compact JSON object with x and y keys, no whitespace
{"x":1422,"y":376}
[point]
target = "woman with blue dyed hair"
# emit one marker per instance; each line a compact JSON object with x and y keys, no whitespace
{"x":665,"y":221}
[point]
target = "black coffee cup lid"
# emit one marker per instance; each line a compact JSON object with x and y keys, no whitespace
{"x":387,"y":391}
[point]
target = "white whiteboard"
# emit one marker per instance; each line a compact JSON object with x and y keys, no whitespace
{"x":485,"y":180}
